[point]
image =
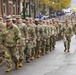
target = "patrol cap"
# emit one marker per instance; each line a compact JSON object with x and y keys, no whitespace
{"x":27,"y":18}
{"x":18,"y":16}
{"x":13,"y":17}
{"x":36,"y":19}
{"x":30,"y":18}
{"x":8,"y":18}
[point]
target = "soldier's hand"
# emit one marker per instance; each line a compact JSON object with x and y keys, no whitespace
{"x":38,"y":39}
{"x":26,"y":41}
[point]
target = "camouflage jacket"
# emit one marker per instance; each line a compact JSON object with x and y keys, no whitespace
{"x":2,"y":26}
{"x":11,"y":36}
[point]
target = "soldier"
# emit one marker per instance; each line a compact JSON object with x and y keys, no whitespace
{"x":22,"y":27}
{"x":39,"y":34}
{"x":2,"y":26}
{"x":67,"y":30}
{"x":54,"y":33}
{"x":11,"y":38}
{"x":33,"y":26}
{"x":48,"y":36}
{"x":29,"y":43}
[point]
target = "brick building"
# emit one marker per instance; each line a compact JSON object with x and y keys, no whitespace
{"x":10,"y":7}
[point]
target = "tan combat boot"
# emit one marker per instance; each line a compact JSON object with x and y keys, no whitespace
{"x":32,"y":57}
{"x":65,"y":50}
{"x":28,"y":59}
{"x":43,"y":53}
{"x":8,"y":69}
{"x":20,"y":63}
{"x":16,"y":65}
{"x":38,"y":55}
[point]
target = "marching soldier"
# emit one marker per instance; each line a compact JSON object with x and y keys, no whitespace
{"x":67,"y":30}
{"x":2,"y":26}
{"x":21,"y":26}
{"x":33,"y":26}
{"x":11,"y":38}
{"x":29,"y":40}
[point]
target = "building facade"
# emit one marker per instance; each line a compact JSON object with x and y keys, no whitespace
{"x":10,"y":7}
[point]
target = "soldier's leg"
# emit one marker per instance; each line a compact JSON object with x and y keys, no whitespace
{"x":21,"y":54}
{"x":65,"y":45}
{"x":46,"y":48}
{"x":53,"y":42}
{"x":38,"y":49}
{"x":43,"y":47}
{"x":0,"y":59}
{"x":8,"y":59}
{"x":68,"y":45}
{"x":33,"y":53}
{"x":15,"y":56}
{"x":33,"y":49}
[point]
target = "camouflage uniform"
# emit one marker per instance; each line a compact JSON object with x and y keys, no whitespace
{"x":59,"y":31}
{"x":33,"y":26}
{"x":11,"y":37}
{"x":21,"y":27}
{"x":2,"y":26}
{"x":48,"y":38}
{"x":43,"y":47}
{"x":53,"y":36}
{"x":29,"y":41}
{"x":39,"y":39}
{"x":74,"y":29}
{"x":67,"y":30}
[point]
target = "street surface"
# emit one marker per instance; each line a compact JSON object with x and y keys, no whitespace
{"x":54,"y":63}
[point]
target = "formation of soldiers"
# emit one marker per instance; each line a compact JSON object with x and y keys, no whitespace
{"x":29,"y":39}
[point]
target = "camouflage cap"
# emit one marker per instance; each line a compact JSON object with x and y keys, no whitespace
{"x":36,"y":19}
{"x":30,"y":18}
{"x":8,"y":18}
{"x":27,"y":18}
{"x":18,"y":16}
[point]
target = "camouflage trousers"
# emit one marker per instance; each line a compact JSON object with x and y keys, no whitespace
{"x":38,"y":46}
{"x":21,"y":50}
{"x":67,"y":41}
{"x":11,"y":54}
{"x":43,"y":46}
{"x":1,"y":56}
{"x":28,"y":49}
{"x":54,"y":41}
{"x":47,"y":44}
{"x":33,"y":47}
{"x":51,"y":42}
